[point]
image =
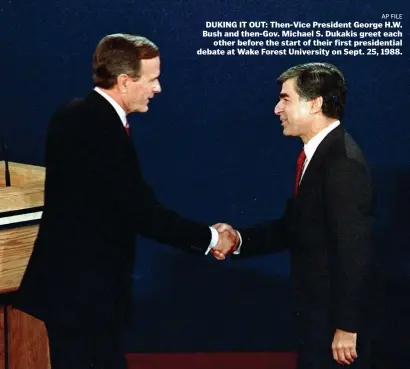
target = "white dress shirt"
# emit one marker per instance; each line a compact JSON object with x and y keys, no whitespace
{"x":120,"y":111}
{"x":311,"y":146}
{"x":123,"y":116}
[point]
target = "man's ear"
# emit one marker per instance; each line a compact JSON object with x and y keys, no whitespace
{"x":122,"y":82}
{"x":316,"y":105}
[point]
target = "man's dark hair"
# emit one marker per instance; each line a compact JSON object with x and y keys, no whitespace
{"x":120,"y":54}
{"x":319,"y":79}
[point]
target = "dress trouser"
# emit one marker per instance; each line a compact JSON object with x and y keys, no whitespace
{"x":85,"y":347}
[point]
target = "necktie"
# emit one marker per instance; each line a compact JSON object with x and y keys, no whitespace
{"x":127,"y":127}
{"x":299,"y":166}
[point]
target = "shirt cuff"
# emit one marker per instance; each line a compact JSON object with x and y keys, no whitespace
{"x":238,"y":249}
{"x":214,"y":240}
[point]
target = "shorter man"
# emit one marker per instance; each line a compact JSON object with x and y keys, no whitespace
{"x":327,"y":224}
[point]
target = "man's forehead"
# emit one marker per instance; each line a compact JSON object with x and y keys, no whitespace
{"x":288,"y":87}
{"x":150,"y":66}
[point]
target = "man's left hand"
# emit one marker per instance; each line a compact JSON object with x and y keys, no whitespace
{"x":344,"y":347}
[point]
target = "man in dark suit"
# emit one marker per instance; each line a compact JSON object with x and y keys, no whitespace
{"x":78,"y":280}
{"x":326,"y":225}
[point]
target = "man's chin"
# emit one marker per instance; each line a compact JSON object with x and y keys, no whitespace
{"x":142,"y":109}
{"x":286,"y":132}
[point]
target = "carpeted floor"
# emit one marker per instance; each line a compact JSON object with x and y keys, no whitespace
{"x":246,"y":360}
{"x":238,"y":360}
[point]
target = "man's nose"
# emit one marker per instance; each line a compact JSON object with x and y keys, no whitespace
{"x":157,"y":88}
{"x":278,"y":108}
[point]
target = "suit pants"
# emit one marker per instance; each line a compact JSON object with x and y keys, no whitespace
{"x":85,"y":347}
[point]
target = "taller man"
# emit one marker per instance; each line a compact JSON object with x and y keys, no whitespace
{"x":78,"y":280}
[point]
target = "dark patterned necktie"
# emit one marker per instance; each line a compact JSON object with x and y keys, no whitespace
{"x":127,"y":127}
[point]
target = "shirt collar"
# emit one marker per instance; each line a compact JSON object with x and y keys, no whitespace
{"x":311,"y":146}
{"x":120,"y":111}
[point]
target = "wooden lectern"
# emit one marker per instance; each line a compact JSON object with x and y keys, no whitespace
{"x":21,"y":207}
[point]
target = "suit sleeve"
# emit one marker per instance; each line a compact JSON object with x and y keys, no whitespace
{"x":265,"y":238}
{"x":108,"y":164}
{"x":348,"y":205}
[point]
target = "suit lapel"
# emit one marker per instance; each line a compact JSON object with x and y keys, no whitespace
{"x":107,"y":112}
{"x":316,"y":162}
{"x":110,"y":123}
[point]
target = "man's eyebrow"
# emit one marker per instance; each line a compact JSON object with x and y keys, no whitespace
{"x":282,"y":95}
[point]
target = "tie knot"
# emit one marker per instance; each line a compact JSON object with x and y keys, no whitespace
{"x":127,"y":127}
{"x":301,"y":157}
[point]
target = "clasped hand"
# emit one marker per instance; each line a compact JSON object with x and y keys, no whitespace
{"x":228,"y":241}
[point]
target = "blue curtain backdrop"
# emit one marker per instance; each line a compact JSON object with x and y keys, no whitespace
{"x":213,"y":150}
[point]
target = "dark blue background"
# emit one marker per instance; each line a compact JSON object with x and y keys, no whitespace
{"x":213,"y":150}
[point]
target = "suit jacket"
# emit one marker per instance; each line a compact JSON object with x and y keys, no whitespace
{"x":96,"y":201}
{"x":328,"y":230}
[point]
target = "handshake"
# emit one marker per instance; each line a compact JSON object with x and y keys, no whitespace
{"x":229,"y":241}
